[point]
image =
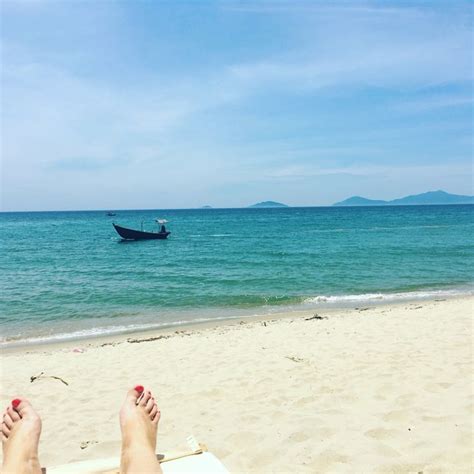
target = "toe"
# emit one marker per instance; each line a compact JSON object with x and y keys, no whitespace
{"x":13,"y":414}
{"x":144,"y":400}
{"x":157,"y":417}
{"x":153,"y":411}
{"x":8,"y":421}
{"x":22,"y":407}
{"x":149,"y":405}
{"x":134,"y":394}
{"x":5,"y":430}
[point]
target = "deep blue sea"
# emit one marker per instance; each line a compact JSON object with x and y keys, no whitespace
{"x":67,"y":274}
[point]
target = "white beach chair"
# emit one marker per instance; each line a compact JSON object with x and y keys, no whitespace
{"x":198,"y":460}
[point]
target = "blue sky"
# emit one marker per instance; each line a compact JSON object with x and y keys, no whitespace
{"x":153,"y":104}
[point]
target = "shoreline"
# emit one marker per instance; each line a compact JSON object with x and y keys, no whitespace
{"x":168,"y":331}
{"x":326,"y":303}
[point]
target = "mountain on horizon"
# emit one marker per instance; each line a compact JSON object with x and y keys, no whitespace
{"x":269,"y":204}
{"x":429,"y":198}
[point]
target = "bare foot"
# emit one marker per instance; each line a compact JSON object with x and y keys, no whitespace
{"x":139,"y":417}
{"x":21,"y":429}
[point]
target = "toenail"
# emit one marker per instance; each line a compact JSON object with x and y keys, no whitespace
{"x":139,"y":388}
{"x":15,"y":403}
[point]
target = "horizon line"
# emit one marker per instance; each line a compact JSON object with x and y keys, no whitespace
{"x":251,"y":207}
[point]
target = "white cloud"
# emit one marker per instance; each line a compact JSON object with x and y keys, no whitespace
{"x":399,"y":47}
{"x":438,"y":101}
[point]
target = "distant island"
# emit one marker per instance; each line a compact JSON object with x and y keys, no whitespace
{"x":268,"y":204}
{"x":431,"y":197}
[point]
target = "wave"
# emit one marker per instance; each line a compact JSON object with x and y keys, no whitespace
{"x":212,"y":235}
{"x":389,"y":297}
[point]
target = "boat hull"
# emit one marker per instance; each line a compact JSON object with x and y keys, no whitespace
{"x":132,"y":234}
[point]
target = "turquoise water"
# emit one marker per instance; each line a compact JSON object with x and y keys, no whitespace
{"x":67,"y":274}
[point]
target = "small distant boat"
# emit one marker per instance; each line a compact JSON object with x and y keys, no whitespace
{"x":133,"y":234}
{"x":111,"y":214}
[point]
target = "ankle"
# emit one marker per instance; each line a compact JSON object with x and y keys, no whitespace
{"x":22,"y":464}
{"x":138,"y":445}
{"x":135,"y":456}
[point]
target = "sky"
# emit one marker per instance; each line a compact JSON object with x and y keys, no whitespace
{"x":180,"y":104}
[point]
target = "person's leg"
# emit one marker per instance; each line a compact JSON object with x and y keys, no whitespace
{"x":139,"y":417}
{"x":21,"y":429}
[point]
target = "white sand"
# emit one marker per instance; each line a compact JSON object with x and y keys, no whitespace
{"x":389,"y":389}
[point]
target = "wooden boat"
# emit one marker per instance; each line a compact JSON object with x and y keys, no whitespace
{"x":132,"y":234}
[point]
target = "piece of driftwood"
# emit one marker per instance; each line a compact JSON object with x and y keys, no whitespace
{"x":42,"y":375}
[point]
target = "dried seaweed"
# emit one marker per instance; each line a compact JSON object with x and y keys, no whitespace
{"x":42,"y":375}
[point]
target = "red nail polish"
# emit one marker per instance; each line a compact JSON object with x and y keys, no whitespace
{"x":139,"y":388}
{"x":15,"y":403}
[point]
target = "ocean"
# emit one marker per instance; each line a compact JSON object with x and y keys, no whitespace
{"x":67,"y":274}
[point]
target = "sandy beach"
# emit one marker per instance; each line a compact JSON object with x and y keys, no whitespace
{"x":378,"y":389}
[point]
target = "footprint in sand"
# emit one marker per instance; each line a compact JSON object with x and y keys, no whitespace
{"x":381,"y":434}
{"x":327,"y":459}
{"x":299,"y":437}
{"x":304,"y":401}
{"x":436,"y":419}
{"x":386,"y":451}
{"x":250,"y":418}
{"x":324,"y":433}
{"x":435,"y":387}
{"x":398,"y":416}
{"x":242,"y":438}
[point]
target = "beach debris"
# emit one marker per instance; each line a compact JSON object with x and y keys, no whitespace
{"x":417,"y":307}
{"x":315,"y":316}
{"x":242,"y":322}
{"x":86,"y":444}
{"x":78,"y":349}
{"x":42,"y":375}
{"x":264,"y":324}
{"x":110,"y":344}
{"x":150,"y":339}
{"x":294,"y":359}
{"x":362,"y":309}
